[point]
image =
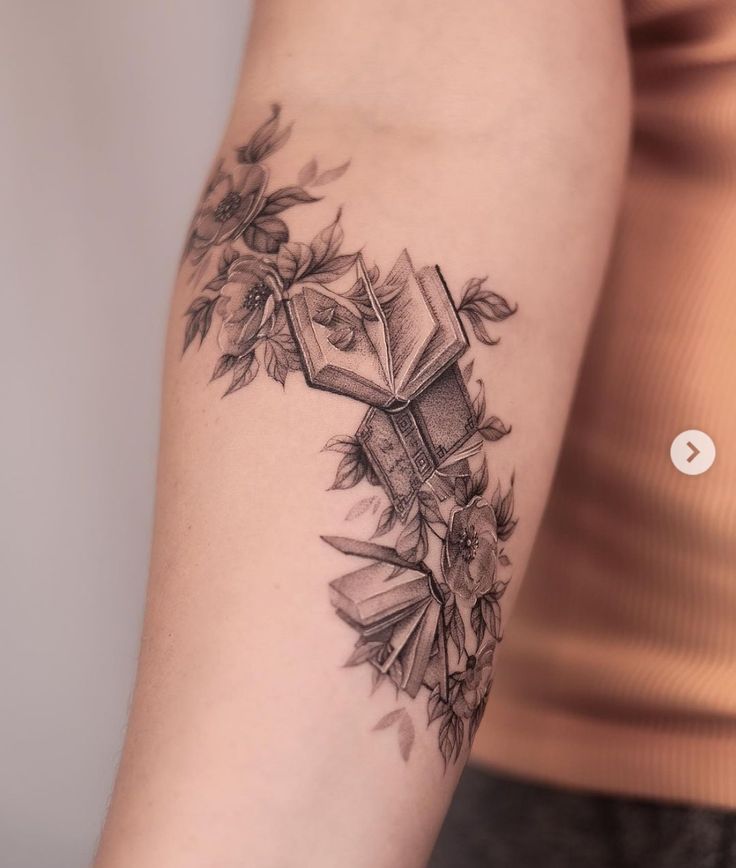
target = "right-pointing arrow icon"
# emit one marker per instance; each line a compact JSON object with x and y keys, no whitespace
{"x":689,"y":445}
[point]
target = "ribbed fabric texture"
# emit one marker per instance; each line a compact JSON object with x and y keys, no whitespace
{"x":618,"y":672}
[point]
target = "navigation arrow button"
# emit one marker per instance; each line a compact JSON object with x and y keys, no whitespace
{"x":693,"y":452}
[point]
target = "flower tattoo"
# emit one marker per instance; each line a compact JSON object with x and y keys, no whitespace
{"x":249,"y":302}
{"x":232,"y":201}
{"x":474,"y":683}
{"x":426,"y":605}
{"x":470,"y":550}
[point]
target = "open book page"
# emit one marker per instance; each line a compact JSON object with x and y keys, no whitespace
{"x":448,"y":340}
{"x":410,"y":321}
{"x":341,"y":334}
{"x":382,"y":628}
{"x":416,"y":653}
{"x":380,"y":344}
{"x":338,"y":352}
{"x":403,"y":632}
{"x":374,"y":319}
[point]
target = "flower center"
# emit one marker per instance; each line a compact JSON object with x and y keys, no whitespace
{"x":257,"y":296}
{"x":469,"y":542}
{"x":228,"y":206}
{"x":471,"y":662}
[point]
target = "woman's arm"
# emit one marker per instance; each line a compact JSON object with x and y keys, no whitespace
{"x":285,"y":715}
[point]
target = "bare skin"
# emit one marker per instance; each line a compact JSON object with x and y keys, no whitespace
{"x":491,"y":141}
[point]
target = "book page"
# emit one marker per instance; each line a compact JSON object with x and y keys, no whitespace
{"x":374,"y":320}
{"x":404,"y":631}
{"x":341,"y":338}
{"x":410,"y":322}
{"x":448,"y":341}
{"x":417,"y":650}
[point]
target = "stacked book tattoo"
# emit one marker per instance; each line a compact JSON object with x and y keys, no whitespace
{"x":395,"y":349}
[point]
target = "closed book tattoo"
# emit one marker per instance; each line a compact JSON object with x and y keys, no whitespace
{"x":406,"y":446}
{"x":369,"y":595}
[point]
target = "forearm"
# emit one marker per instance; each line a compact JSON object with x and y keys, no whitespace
{"x":249,"y":742}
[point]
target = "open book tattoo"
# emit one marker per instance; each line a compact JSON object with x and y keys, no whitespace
{"x":426,"y":606}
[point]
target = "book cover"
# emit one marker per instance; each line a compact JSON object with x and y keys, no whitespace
{"x":405,"y":447}
{"x":370,"y":594}
{"x":381,"y":345}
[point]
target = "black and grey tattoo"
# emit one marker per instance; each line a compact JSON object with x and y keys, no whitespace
{"x":426,"y":605}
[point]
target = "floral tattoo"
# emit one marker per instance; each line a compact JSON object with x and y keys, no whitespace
{"x":426,"y":607}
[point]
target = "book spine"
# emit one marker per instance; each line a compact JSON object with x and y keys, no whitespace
{"x":343,"y":604}
{"x":413,"y":442}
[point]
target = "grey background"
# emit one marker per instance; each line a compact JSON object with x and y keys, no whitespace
{"x":110,"y":114}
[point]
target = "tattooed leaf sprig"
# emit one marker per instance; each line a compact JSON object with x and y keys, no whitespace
{"x":401,"y":718}
{"x":310,"y":174}
{"x":490,"y":428}
{"x":354,"y":465}
{"x":267,"y":139}
{"x":480,"y":305}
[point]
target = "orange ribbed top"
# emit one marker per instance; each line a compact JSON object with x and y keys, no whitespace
{"x":618,"y":672}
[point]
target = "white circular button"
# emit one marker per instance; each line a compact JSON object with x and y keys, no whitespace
{"x":693,"y":452}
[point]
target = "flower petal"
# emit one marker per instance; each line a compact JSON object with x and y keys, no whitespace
{"x":206,"y":227}
{"x":235,"y":293}
{"x":249,"y":179}
{"x":268,"y":308}
{"x":222,"y":186}
{"x":250,"y":182}
{"x":481,"y":515}
{"x":243,"y":266}
{"x":235,"y":336}
{"x":482,"y":568}
{"x":458,"y":579}
{"x":221,"y":305}
{"x":231,"y":226}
